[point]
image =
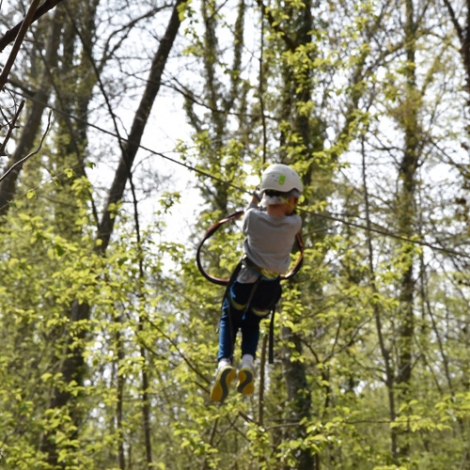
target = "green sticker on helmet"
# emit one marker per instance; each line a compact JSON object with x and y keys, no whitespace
{"x":282,"y":179}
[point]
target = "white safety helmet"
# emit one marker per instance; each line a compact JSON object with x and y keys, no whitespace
{"x":282,"y":178}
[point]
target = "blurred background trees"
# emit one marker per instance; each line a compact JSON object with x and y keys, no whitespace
{"x":128,"y":129}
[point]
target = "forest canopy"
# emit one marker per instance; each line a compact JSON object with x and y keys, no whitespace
{"x":128,"y":128}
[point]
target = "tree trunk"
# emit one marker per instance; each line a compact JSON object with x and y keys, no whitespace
{"x":131,"y":146}
{"x":73,"y":367}
{"x":33,"y":122}
{"x":120,"y":379}
{"x":298,"y":394}
{"x":389,"y":379}
{"x":406,"y":218}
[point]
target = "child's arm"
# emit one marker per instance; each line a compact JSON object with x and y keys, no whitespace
{"x":256,"y":198}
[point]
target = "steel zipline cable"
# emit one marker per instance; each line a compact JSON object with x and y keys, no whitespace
{"x":324,"y":215}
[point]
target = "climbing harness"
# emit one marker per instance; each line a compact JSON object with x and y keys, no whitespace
{"x":246,"y":262}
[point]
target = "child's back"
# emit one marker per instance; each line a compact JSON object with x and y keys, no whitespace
{"x":269,"y":239}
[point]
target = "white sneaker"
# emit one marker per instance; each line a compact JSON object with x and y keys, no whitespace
{"x":246,"y":384}
{"x":223,"y":378}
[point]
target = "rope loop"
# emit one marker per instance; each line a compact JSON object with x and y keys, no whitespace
{"x":225,"y":281}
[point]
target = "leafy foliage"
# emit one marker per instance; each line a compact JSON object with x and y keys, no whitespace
{"x":108,"y":350}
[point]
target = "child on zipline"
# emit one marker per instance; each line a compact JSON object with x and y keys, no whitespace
{"x":270,"y":232}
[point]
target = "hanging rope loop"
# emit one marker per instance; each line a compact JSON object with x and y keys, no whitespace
{"x":224,"y":281}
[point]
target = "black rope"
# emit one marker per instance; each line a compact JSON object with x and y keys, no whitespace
{"x":324,"y":215}
{"x":222,"y":281}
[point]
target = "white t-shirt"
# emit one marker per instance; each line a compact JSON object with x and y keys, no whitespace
{"x":269,"y":241}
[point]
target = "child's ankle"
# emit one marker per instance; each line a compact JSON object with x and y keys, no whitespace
{"x":224,"y":363}
{"x":247,"y":360}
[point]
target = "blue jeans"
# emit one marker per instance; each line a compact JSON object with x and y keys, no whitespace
{"x":235,"y":315}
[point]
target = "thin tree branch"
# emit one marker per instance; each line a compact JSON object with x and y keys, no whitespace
{"x":20,"y":162}
{"x":11,"y":34}
{"x":19,"y":39}
{"x":455,"y":22}
{"x":11,"y":126}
